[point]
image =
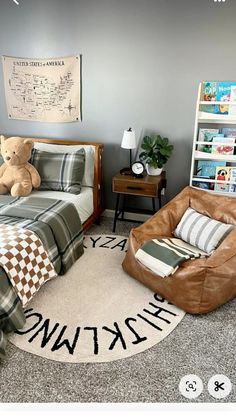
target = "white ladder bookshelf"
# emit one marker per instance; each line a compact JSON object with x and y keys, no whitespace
{"x":202,"y":120}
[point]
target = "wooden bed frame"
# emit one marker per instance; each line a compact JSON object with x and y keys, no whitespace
{"x":97,"y":192}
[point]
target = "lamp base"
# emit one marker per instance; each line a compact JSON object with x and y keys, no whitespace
{"x":126,"y":171}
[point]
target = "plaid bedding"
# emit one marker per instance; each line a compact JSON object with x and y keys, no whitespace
{"x":58,"y":226}
{"x":11,"y":311}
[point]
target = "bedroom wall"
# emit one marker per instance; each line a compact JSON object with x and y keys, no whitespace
{"x":142,"y":62}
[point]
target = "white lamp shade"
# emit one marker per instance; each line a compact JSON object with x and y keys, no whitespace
{"x":128,"y":140}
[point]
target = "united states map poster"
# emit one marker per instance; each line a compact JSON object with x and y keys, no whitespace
{"x":47,"y":90}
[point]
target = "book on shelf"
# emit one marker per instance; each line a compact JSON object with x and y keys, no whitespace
{"x":207,"y":168}
{"x":232,"y":174}
{"x":218,"y":91}
{"x":229,"y":132}
{"x":207,"y":135}
{"x":221,"y":187}
{"x":202,"y":185}
{"x":222,"y":173}
{"x":223,"y":146}
{"x":223,"y":94}
{"x":232,"y":186}
{"x":208,"y":94}
{"x":226,"y":174}
{"x":232,"y":108}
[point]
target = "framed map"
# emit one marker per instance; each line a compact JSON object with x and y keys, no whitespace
{"x":47,"y":90}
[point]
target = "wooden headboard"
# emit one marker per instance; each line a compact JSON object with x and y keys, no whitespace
{"x":97,"y":198}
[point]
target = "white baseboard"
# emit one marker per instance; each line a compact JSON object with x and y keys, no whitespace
{"x":129,"y":215}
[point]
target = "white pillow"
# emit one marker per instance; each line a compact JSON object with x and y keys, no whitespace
{"x":201,"y":231}
{"x":89,"y":157}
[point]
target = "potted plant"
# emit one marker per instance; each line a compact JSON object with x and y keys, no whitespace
{"x":157,"y":151}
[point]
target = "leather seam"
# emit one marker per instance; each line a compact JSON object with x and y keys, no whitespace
{"x":203,"y":288}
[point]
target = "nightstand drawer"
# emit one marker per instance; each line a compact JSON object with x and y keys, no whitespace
{"x":134,"y":187}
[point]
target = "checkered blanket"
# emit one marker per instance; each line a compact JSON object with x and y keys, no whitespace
{"x":25,"y":261}
{"x":58,"y":226}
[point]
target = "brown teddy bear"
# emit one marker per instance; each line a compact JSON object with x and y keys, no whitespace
{"x":17,"y":176}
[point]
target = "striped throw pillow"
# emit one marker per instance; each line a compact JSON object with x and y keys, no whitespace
{"x":201,"y":231}
{"x":58,"y":171}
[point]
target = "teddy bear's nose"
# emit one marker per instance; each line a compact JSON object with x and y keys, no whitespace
{"x":8,"y":158}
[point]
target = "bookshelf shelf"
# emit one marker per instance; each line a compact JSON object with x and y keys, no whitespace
{"x":210,"y":118}
{"x":218,"y":143}
{"x":218,"y":102}
{"x":225,"y":185}
{"x":201,"y":155}
{"x":202,"y":179}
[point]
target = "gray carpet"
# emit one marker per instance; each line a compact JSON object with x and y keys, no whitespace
{"x":202,"y":345}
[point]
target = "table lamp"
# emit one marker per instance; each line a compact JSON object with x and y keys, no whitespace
{"x":128,"y":142}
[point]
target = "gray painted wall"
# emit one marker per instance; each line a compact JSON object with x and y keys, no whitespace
{"x":142,"y":62}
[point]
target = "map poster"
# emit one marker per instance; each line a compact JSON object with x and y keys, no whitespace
{"x":47,"y":90}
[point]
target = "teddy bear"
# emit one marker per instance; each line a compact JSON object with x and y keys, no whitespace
{"x":17,"y":176}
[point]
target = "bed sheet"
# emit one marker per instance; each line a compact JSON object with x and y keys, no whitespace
{"x":82,"y":202}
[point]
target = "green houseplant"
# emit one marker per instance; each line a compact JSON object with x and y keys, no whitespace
{"x":157,"y":151}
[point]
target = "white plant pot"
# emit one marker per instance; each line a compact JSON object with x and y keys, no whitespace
{"x":152,"y":171}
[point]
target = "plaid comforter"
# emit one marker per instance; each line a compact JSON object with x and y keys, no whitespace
{"x":58,"y":226}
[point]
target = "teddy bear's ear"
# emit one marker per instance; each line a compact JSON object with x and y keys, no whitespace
{"x":2,"y":138}
{"x":28,"y":141}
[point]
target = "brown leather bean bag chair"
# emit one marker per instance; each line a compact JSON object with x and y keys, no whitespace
{"x":200,"y":285}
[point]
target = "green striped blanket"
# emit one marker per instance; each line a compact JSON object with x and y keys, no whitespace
{"x":164,"y":256}
{"x":58,"y":225}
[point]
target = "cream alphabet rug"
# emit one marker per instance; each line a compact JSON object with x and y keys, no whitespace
{"x":96,"y":312}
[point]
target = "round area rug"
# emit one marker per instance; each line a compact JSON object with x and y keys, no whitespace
{"x":96,"y":312}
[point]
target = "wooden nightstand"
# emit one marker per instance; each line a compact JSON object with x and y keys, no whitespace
{"x":148,"y":186}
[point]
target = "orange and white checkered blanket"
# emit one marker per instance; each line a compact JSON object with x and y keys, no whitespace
{"x":25,"y":260}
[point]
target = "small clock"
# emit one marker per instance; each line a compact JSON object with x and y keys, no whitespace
{"x":138,"y":169}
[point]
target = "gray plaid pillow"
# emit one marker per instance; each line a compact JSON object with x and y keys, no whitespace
{"x":58,"y":171}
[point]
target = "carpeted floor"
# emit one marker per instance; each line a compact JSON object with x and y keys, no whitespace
{"x":202,"y":345}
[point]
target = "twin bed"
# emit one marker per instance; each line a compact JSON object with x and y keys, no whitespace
{"x":55,"y":218}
